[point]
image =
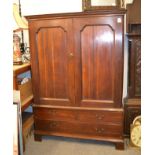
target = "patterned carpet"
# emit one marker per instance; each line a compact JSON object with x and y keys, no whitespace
{"x":69,"y":146}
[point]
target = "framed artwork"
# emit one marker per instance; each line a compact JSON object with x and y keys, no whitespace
{"x":88,"y":5}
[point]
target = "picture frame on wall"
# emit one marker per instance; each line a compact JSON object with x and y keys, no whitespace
{"x":89,"y":5}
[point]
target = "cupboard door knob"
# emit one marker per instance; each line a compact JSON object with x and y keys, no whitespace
{"x":71,"y":54}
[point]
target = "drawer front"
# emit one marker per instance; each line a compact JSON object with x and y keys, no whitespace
{"x":25,"y":90}
{"x":89,"y":116}
{"x":101,"y":116}
{"x":78,"y":128}
{"x":55,"y":114}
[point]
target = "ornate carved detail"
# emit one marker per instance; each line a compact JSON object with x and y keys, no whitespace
{"x":122,"y":3}
{"x":134,"y":84}
{"x":137,"y":67}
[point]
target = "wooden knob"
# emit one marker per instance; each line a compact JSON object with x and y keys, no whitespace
{"x":52,"y":111}
{"x":99,"y":130}
{"x":99,"y":117}
{"x":102,"y":129}
{"x":71,"y":54}
{"x":53,"y":124}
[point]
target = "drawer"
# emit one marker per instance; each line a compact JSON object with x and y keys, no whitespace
{"x":115,"y":117}
{"x":96,"y":116}
{"x":25,"y":90}
{"x":78,"y":128}
{"x":54,"y":114}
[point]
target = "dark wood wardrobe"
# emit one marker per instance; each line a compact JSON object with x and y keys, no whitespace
{"x":77,"y":73}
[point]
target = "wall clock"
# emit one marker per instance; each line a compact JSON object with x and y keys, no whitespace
{"x":135,"y":134}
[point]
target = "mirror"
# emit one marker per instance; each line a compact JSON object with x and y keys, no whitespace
{"x":101,"y":4}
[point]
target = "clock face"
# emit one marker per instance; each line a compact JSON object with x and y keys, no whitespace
{"x":136,"y":135}
{"x":137,"y":120}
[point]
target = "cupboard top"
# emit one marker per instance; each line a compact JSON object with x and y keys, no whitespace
{"x":76,"y":14}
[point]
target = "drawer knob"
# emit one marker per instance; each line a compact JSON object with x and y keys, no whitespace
{"x":100,"y":130}
{"x":53,"y":124}
{"x":52,"y":111}
{"x":99,"y":117}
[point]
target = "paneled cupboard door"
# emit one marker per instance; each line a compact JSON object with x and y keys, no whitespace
{"x":52,"y":61}
{"x":99,"y":61}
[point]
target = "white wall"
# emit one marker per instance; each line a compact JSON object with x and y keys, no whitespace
{"x":32,"y":7}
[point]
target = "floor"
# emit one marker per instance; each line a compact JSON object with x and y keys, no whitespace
{"x":69,"y":146}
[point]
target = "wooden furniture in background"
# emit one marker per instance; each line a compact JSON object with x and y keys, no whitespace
{"x":25,"y":89}
{"x":134,"y":78}
{"x":133,"y":103}
{"x":132,"y":109}
{"x":17,"y":70}
{"x":133,"y":16}
{"x":77,"y":75}
{"x":26,"y":98}
{"x":27,"y":125}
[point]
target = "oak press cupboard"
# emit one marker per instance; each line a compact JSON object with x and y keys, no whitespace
{"x":77,"y":75}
